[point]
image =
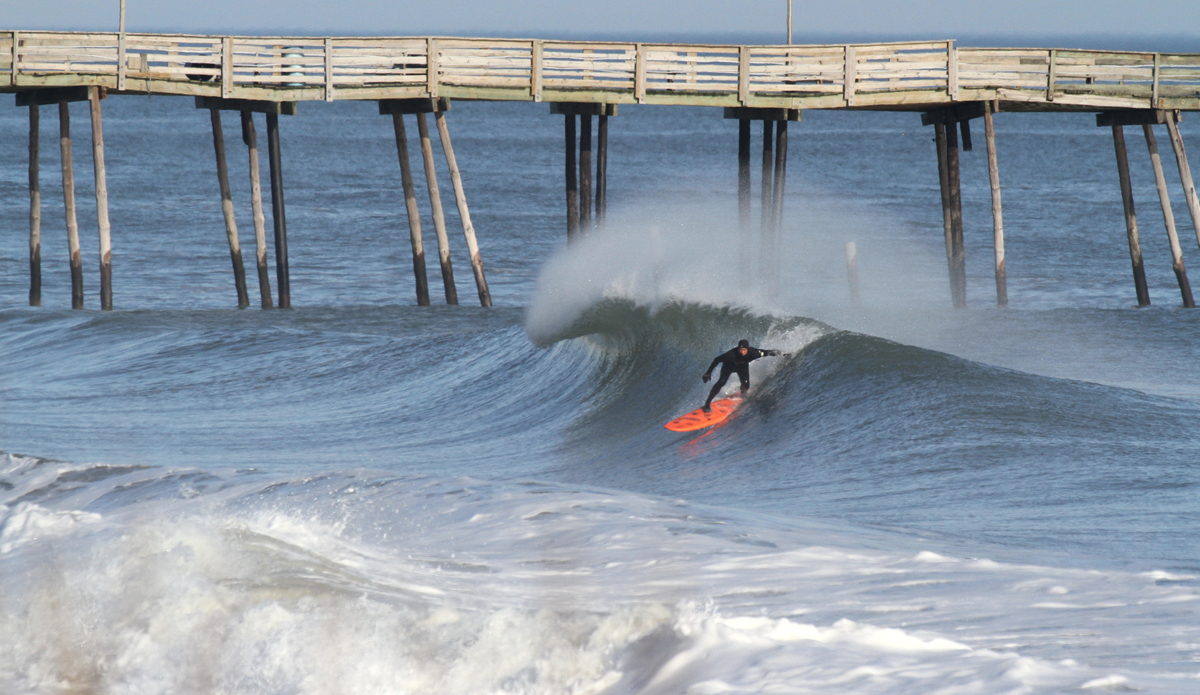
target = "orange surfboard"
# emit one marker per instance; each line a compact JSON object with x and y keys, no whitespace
{"x":698,"y":419}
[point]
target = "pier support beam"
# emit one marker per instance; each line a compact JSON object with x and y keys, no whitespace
{"x":464,"y":213}
{"x":278,"y":213}
{"x":578,"y":169}
{"x":35,"y":209}
{"x":744,"y":240}
{"x":602,"y":167}
{"x":62,"y":96}
{"x":1185,"y":289}
{"x":273,"y":109}
{"x":997,"y":212}
{"x":585,"y":172}
{"x":439,"y":220}
{"x":68,"y":185}
{"x":572,"y":180}
{"x":1185,"y":171}
{"x":1131,"y":228}
{"x":959,"y":273}
{"x":250,"y":137}
{"x":106,"y":298}
{"x":781,"y":147}
{"x":231,"y":231}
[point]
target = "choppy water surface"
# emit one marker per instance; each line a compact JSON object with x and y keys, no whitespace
{"x":360,"y":495}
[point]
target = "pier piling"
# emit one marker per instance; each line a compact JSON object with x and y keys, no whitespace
{"x":585,"y":172}
{"x":1185,"y":288}
{"x":744,"y":240}
{"x":776,"y":233}
{"x":464,"y":213}
{"x":250,"y":137}
{"x":959,"y":272}
{"x":997,"y":212}
{"x":439,"y":220}
{"x":231,"y":232}
{"x":35,"y":209}
{"x":68,"y":186}
{"x":1185,"y":172}
{"x":602,"y":165}
{"x":572,"y":183}
{"x":414,"y":214}
{"x":1131,"y":228}
{"x":106,"y":297}
{"x":278,"y":213}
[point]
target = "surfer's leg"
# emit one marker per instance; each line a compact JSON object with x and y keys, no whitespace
{"x":717,"y":386}
{"x":744,"y":375}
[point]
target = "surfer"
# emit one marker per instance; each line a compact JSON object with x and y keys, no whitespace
{"x":736,"y":360}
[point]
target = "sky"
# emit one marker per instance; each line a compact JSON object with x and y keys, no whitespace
{"x":740,"y":21}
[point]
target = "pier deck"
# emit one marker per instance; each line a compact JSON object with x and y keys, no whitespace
{"x":908,"y":76}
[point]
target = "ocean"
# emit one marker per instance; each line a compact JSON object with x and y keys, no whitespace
{"x":359,"y":495}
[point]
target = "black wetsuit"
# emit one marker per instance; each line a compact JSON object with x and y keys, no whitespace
{"x":733,"y":361}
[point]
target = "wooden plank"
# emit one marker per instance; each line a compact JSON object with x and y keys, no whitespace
{"x":226,"y":68}
{"x":328,"y":69}
{"x":431,"y":68}
{"x":849,"y":76}
{"x":535,"y":71}
{"x":121,"y":67}
{"x":1154,"y":93}
{"x":744,"y":75}
{"x":639,"y":83}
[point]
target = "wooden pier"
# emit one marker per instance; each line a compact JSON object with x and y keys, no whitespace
{"x":950,"y":85}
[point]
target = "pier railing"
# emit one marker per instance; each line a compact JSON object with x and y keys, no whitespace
{"x":883,"y":75}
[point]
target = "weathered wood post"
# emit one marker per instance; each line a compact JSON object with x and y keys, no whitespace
{"x":852,"y":273}
{"x":572,"y":185}
{"x":997,"y":213}
{"x":766,"y":203}
{"x":1164,"y":200}
{"x":278,"y":212}
{"x":397,"y":109}
{"x":744,"y":197}
{"x":414,"y":215}
{"x":435,"y":201}
{"x":781,"y":144}
{"x":35,"y":209}
{"x":464,"y":213}
{"x":1185,"y":171}
{"x":602,"y":164}
{"x":1131,"y":229}
{"x":68,"y":185}
{"x":231,"y":232}
{"x":939,"y":130}
{"x":585,"y":172}
{"x":106,"y":299}
{"x":956,"y":221}
{"x":250,"y":137}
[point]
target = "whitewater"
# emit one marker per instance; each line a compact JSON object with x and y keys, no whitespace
{"x":363,"y":496}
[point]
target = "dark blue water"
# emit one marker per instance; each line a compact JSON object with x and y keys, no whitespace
{"x":456,"y":499}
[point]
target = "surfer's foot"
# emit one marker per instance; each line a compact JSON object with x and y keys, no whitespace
{"x":706,"y":408}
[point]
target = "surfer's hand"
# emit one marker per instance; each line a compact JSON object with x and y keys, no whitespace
{"x":705,"y":378}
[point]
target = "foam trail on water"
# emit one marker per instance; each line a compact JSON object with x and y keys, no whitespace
{"x":176,"y":581}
